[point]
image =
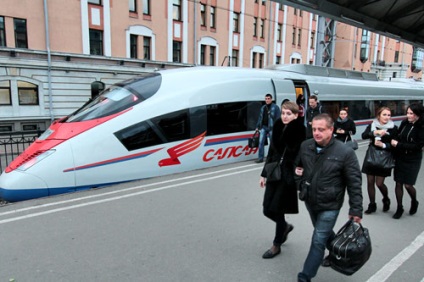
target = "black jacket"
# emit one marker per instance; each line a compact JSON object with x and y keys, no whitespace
{"x":347,"y":126}
{"x":338,"y":172}
{"x":286,"y":139}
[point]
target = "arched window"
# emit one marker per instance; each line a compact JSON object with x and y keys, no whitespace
{"x":27,"y":93}
{"x":96,"y":88}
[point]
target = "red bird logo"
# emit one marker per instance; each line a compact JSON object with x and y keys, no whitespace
{"x":182,"y":149}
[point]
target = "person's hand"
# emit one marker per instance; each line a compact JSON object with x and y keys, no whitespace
{"x":298,"y":171}
{"x":394,"y":142}
{"x":262,"y":182}
{"x":357,"y":219}
{"x":378,"y":143}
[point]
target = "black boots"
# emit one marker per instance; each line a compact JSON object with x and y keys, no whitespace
{"x":398,"y":212}
{"x":386,"y":204}
{"x":414,"y":207}
{"x":372,"y":207}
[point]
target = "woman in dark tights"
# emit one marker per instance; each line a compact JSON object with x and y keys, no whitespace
{"x":280,"y":197}
{"x":380,"y":132}
{"x":408,"y":153}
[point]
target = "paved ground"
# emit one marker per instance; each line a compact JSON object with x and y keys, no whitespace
{"x":205,"y":225}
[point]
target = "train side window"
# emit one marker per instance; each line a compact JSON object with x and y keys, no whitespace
{"x":138,"y":136}
{"x":226,"y":118}
{"x":174,"y":126}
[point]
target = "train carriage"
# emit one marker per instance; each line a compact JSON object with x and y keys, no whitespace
{"x":183,"y":119}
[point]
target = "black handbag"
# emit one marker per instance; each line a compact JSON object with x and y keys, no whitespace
{"x":352,"y":142}
{"x":382,"y":159}
{"x":253,"y":142}
{"x":273,"y":169}
{"x":350,"y":249}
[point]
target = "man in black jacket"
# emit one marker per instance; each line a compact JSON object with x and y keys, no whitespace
{"x":314,"y":109}
{"x":327,"y":168}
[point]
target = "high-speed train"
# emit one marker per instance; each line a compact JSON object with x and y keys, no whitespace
{"x":184,"y":119}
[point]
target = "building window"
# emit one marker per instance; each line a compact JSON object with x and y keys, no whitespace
{"x":202,"y":54}
{"x":262,"y":28}
{"x":261,"y":60}
{"x":96,"y":88}
{"x":133,"y":46}
{"x":5,"y":98}
{"x":263,"y":2}
{"x":294,"y":36}
{"x":96,"y":42}
{"x":2,"y":33}
{"x":177,"y":10}
{"x":202,"y":14}
{"x":146,"y":7}
{"x":234,"y":58}
{"x":254,"y":59}
{"x":236,"y":27}
{"x":21,"y":39}
{"x":176,"y":52}
{"x":97,"y":2}
{"x":27,"y":93}
{"x":278,"y":60}
{"x":132,"y":5}
{"x":295,"y":11}
{"x":312,"y":39}
{"x":255,"y":26}
{"x":281,"y":7}
{"x":299,"y":37}
{"x":394,"y":74}
{"x":396,"y":56}
{"x":212,"y":55}
{"x":212,"y":18}
{"x":147,"y":46}
{"x":280,"y":32}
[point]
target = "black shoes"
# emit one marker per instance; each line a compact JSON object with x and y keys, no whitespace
{"x":414,"y":207}
{"x":258,"y":161}
{"x":372,"y":207}
{"x":398,"y":212}
{"x":326,"y":261}
{"x":289,"y":228}
{"x":386,"y":204}
{"x":270,"y":254}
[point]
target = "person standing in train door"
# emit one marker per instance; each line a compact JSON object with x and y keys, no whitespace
{"x":314,"y":109}
{"x":269,"y":113}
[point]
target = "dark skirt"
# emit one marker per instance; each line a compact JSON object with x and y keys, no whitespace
{"x":376,"y":171}
{"x":407,"y":169}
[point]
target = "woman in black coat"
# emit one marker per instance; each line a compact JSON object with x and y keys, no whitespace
{"x":380,"y":132}
{"x":344,"y":127}
{"x":280,"y":197}
{"x":408,"y":155}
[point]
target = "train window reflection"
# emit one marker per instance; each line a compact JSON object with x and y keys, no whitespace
{"x":175,"y":126}
{"x":138,"y":136}
{"x":111,"y":101}
{"x":226,"y":118}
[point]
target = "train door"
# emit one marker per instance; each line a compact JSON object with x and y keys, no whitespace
{"x":302,"y":96}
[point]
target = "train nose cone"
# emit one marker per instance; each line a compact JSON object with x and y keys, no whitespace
{"x":20,"y":186}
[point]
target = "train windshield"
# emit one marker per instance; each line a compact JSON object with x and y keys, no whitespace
{"x":118,"y":97}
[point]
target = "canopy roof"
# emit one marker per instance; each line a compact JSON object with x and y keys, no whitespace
{"x":398,"y":19}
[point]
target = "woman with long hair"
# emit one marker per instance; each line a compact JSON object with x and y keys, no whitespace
{"x":408,"y":154}
{"x":280,"y":197}
{"x":380,"y":132}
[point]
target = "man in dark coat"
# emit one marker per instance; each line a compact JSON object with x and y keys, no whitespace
{"x":327,"y":169}
{"x":314,"y":109}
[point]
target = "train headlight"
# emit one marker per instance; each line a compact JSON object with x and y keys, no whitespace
{"x":36,"y":159}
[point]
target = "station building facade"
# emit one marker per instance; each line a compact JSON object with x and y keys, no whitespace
{"x":57,"y":54}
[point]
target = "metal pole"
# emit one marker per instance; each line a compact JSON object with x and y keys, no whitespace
{"x":49,"y":61}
